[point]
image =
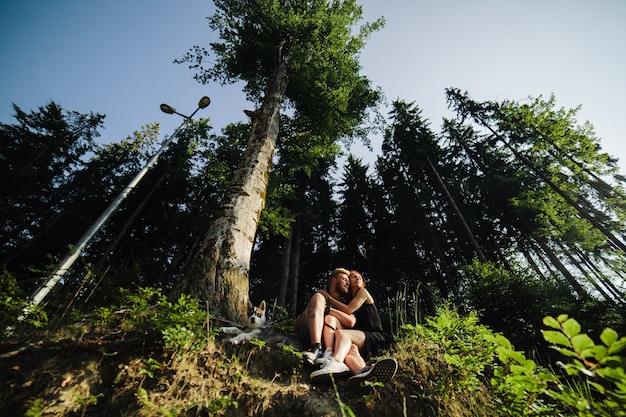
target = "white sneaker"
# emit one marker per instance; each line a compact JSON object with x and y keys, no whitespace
{"x":321,"y":361}
{"x":332,"y":367}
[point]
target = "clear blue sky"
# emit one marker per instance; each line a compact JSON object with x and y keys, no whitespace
{"x":115,"y":57}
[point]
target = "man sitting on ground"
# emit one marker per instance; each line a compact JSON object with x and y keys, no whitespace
{"x":310,"y":323}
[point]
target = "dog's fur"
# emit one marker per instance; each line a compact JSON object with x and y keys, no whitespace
{"x":257,"y":328}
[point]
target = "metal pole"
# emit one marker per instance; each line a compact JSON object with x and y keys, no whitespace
{"x":71,"y":257}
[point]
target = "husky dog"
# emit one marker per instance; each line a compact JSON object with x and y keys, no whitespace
{"x":257,"y":328}
{"x":255,"y":323}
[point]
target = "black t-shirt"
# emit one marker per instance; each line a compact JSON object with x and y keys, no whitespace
{"x":368,"y":319}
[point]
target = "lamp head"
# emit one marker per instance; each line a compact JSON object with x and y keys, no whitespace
{"x":167,"y":109}
{"x":204,"y":102}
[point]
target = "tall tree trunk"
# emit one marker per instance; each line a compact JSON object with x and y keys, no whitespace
{"x":219,"y":273}
{"x":597,"y":272}
{"x":581,"y":211}
{"x":456,"y":210}
{"x":531,"y":262}
{"x":294,"y":268}
{"x":284,"y":277}
{"x":446,"y":278}
{"x":551,"y":271}
{"x":574,"y":284}
{"x":577,"y":264}
{"x":600,"y":185}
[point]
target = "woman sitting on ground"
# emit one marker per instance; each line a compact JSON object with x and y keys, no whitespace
{"x":348,"y":349}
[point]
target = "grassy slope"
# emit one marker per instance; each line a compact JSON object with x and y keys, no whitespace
{"x":148,"y":364}
{"x":91,"y":371}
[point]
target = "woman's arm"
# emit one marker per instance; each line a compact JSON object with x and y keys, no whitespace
{"x":357,"y":301}
{"x":346,"y":320}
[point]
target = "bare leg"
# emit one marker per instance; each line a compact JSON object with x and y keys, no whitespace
{"x":354,"y":360}
{"x":331,"y":323}
{"x":315,"y":317}
{"x":344,"y":339}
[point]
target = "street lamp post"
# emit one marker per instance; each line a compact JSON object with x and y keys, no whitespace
{"x":71,"y":257}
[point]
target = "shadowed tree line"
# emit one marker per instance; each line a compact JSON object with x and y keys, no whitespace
{"x":479,"y":213}
{"x":510,"y":208}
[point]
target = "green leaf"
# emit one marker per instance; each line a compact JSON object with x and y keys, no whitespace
{"x":556,"y":337}
{"x":618,"y":346}
{"x":517,"y":356}
{"x":582,"y":342}
{"x":551,"y":322}
{"x":503,"y":341}
{"x":530,"y":365}
{"x":608,"y":336}
{"x":566,"y":351}
{"x":571,"y":328}
{"x":598,"y":352}
{"x":518,"y":370}
{"x":616,"y":375}
{"x":562,"y":318}
{"x":597,"y":387}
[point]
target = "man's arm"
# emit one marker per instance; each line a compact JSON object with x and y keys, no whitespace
{"x":357,"y":301}
{"x":346,"y":320}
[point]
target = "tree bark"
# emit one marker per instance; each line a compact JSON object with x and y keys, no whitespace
{"x":574,"y":284}
{"x":219,"y":273}
{"x":284,"y":276}
{"x":457,"y":211}
{"x":295,"y":265}
{"x":581,"y":211}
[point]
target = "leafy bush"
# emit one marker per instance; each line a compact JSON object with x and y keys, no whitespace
{"x":10,"y":306}
{"x":460,"y":342}
{"x":461,"y":367}
{"x":444,"y":364}
{"x":599,"y":366}
{"x":512,"y":300}
{"x":182,"y":324}
{"x":519,"y":386}
{"x":594,"y":382}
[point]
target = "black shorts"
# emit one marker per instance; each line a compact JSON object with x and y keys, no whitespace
{"x":374,"y":342}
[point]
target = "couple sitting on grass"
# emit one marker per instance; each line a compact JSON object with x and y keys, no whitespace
{"x":343,"y":328}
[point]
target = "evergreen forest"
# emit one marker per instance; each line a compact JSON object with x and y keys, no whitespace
{"x":506,"y":215}
{"x":511,"y":210}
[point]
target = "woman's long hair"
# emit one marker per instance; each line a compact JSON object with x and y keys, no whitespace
{"x":353,"y":290}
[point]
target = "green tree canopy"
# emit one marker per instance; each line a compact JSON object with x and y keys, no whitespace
{"x":302,"y":55}
{"x":326,"y":91}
